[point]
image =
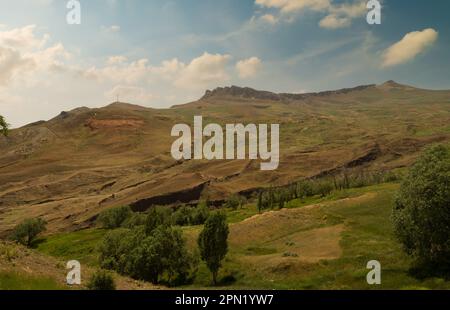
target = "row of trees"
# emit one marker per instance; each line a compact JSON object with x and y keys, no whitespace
{"x":183,"y":216}
{"x":274,"y":198}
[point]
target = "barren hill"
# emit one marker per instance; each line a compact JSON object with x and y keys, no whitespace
{"x":81,"y":162}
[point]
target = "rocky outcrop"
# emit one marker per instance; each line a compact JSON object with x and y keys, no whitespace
{"x":250,"y":93}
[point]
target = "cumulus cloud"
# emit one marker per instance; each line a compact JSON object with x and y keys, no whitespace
{"x":341,"y":16}
{"x":116,"y":60}
{"x":22,"y":52}
{"x":337,"y":15}
{"x":248,"y":68}
{"x":412,"y":45}
{"x":203,"y":71}
{"x":12,"y":63}
{"x":22,"y":38}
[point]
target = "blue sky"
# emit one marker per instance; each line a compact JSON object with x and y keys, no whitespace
{"x":159,"y":53}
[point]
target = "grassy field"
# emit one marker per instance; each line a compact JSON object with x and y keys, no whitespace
{"x":18,"y":281}
{"x":80,"y":245}
{"x":319,"y":243}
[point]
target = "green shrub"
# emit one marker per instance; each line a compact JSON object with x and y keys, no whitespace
{"x":27,"y":231}
{"x":234,"y":202}
{"x":421,"y":214}
{"x":101,"y":281}
{"x":114,"y":218}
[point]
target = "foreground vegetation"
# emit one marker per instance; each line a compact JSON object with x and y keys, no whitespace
{"x":368,"y":234}
{"x":295,"y":237}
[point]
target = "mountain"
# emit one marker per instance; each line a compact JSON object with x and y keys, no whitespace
{"x":72,"y":167}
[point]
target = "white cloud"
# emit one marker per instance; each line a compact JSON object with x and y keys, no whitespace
{"x":334,"y":21}
{"x":116,"y":60}
{"x":22,"y":53}
{"x":248,"y":68}
{"x":290,"y":6}
{"x":204,"y":71}
{"x":269,"y":18}
{"x":337,"y":15}
{"x":342,"y":15}
{"x":412,"y":45}
{"x":22,"y":38}
{"x":12,"y":63}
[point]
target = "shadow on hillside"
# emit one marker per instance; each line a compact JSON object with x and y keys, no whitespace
{"x":423,"y":271}
{"x":35,"y":244}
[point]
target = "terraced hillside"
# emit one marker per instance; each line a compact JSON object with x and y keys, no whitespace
{"x":72,"y":167}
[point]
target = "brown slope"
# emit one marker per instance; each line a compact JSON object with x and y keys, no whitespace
{"x":70,"y":168}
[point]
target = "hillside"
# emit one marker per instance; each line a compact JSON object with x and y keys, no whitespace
{"x":72,"y":167}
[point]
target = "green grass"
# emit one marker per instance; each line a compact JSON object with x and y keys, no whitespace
{"x":80,"y":245}
{"x":16,"y":281}
{"x":368,"y":235}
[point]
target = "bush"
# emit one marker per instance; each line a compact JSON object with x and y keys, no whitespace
{"x":114,"y":218}
{"x":101,"y":281}
{"x":421,"y":214}
{"x":234,"y":202}
{"x":26,"y":232}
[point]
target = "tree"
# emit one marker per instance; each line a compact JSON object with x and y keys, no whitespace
{"x":200,"y":214}
{"x":156,"y":217}
{"x":114,"y":218}
{"x":26,"y":232}
{"x":213,"y":242}
{"x":4,"y":126}
{"x":148,"y":257}
{"x":233,"y":202}
{"x":259,"y":204}
{"x":116,"y":246}
{"x":182,"y":216}
{"x":101,"y":281}
{"x":421,"y":214}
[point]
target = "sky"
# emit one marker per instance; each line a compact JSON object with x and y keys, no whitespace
{"x":160,"y":53}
